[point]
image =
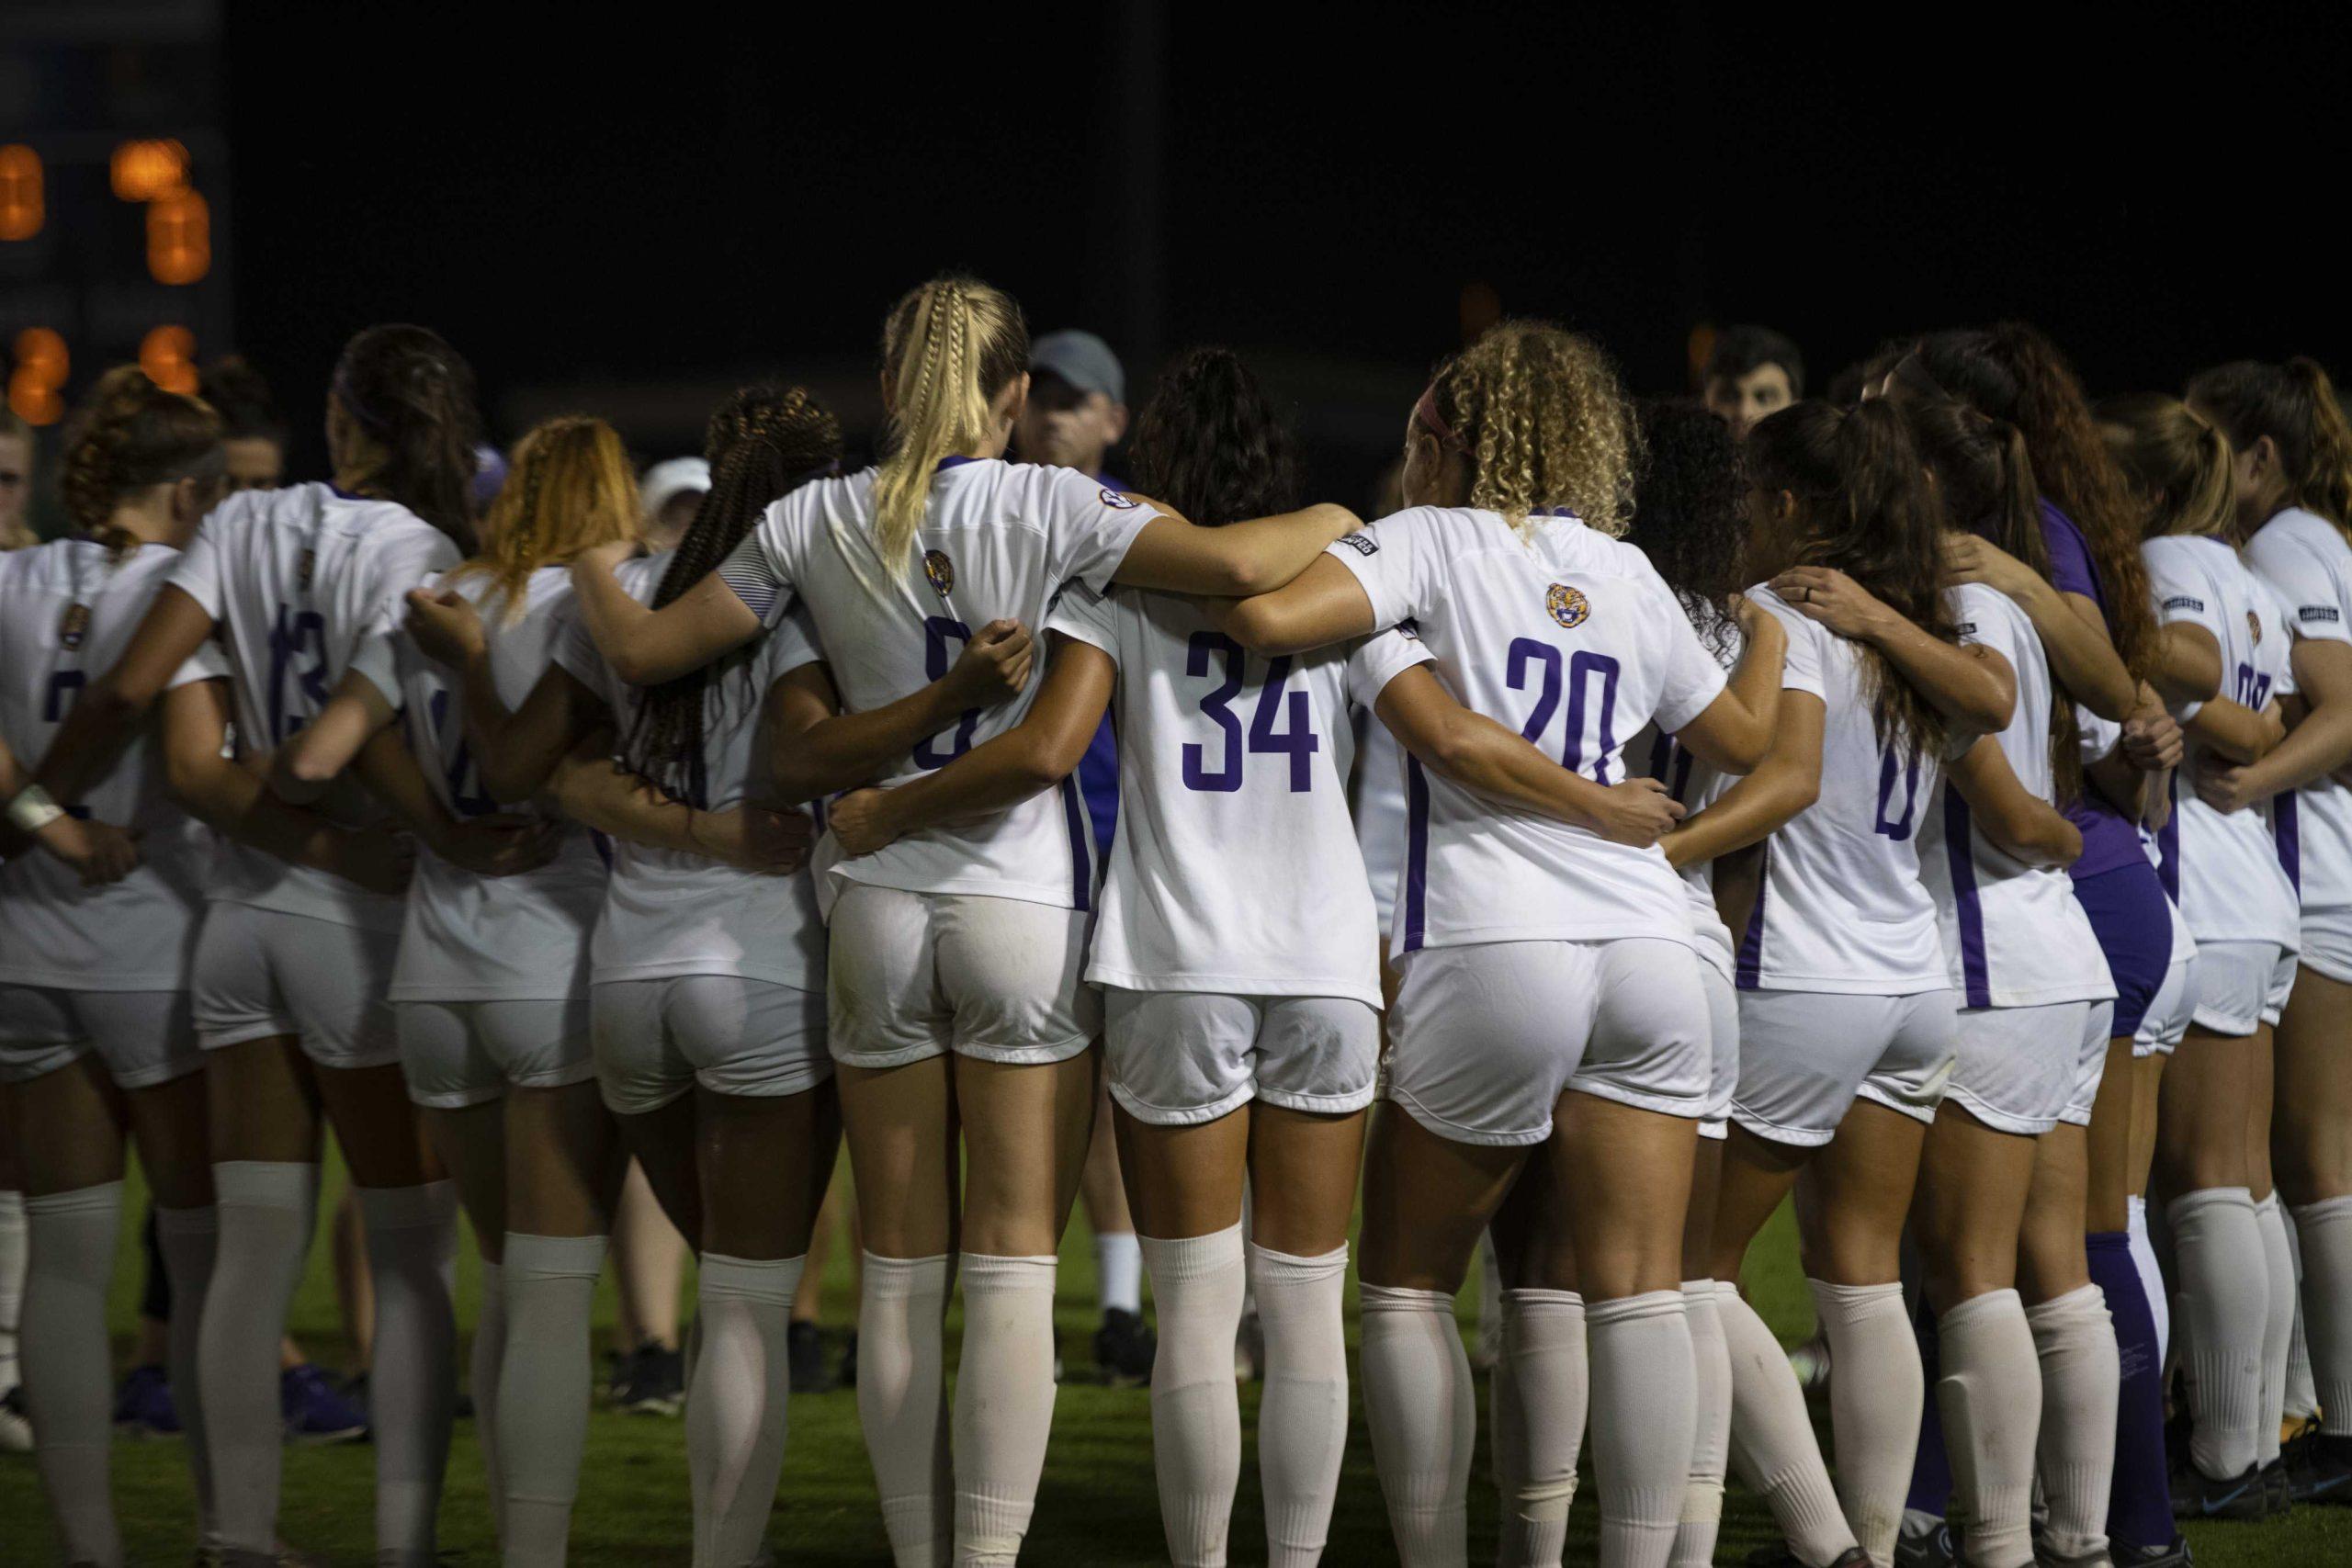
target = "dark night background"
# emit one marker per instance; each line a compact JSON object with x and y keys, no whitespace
{"x":628,"y":208}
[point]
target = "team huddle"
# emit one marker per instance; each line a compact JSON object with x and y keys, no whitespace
{"x":1930,"y":804}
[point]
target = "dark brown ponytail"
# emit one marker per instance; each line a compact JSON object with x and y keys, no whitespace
{"x":411,"y":396}
{"x":130,"y":435}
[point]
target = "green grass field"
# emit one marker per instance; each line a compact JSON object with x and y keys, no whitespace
{"x":1096,"y":1507}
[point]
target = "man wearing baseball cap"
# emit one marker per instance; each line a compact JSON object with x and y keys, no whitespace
{"x":1076,"y":413}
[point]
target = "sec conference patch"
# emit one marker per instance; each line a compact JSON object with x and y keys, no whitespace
{"x":1568,"y":605}
{"x":940,"y":570}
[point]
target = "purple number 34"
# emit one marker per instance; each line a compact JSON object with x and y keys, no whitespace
{"x":1298,"y":741}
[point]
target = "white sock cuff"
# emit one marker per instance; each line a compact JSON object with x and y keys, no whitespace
{"x":986,"y":1274}
{"x":1192,"y":1257}
{"x":771,"y":1281}
{"x":1727,"y":1296}
{"x":2084,"y":1304}
{"x":1370,"y":1298}
{"x":425,"y":1206}
{"x":2269,"y":1204}
{"x":2188,"y":1205}
{"x":1633,"y":1309}
{"x":104,"y":1197}
{"x":1849,"y":1300}
{"x":898,"y":1279}
{"x":1992,"y":1304}
{"x":12,"y":1209}
{"x":1695,"y":1290}
{"x":264,"y":1183}
{"x":2325,"y":1209}
{"x":1271,"y":1268}
{"x":532,"y":1256}
{"x":1531,"y":1301}
{"x":203,"y":1221}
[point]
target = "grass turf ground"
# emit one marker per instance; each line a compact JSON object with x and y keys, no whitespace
{"x":1097,"y":1505}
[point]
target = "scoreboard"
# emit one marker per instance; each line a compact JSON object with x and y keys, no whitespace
{"x":114,"y":197}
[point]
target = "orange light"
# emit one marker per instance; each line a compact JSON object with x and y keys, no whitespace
{"x":148,"y":171}
{"x":33,"y":384}
{"x":168,"y":355}
{"x":23,"y":207}
{"x":179,"y":237}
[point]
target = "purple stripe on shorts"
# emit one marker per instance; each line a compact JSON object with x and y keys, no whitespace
{"x":1417,"y":852}
{"x":1081,"y":867}
{"x":1749,"y":972}
{"x":2168,"y":842}
{"x":2286,"y":833}
{"x":1960,"y":858}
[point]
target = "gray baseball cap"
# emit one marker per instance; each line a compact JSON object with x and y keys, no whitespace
{"x":1084,"y":360}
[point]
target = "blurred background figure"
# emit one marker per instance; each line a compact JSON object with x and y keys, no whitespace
{"x":256,"y":438}
{"x":16,"y":482}
{"x":1752,"y":371}
{"x":671,"y":490}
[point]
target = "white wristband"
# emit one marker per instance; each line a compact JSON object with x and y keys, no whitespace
{"x":33,"y":809}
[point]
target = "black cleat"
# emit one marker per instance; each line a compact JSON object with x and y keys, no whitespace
{"x":845,"y":1376}
{"x":805,"y":1348}
{"x":2173,"y":1556}
{"x":1779,"y":1555}
{"x":1125,"y":1349}
{"x":2277,"y":1488}
{"x":1932,"y":1545}
{"x":2197,"y":1496}
{"x":650,"y":1381}
{"x":2320,"y":1466}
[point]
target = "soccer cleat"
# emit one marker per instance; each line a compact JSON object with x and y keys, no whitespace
{"x":2320,"y":1466}
{"x":1810,"y":1362}
{"x":2173,"y":1556}
{"x":2277,"y":1488}
{"x":143,"y":1405}
{"x":2197,"y":1496}
{"x":1779,"y":1555}
{"x":651,"y":1381}
{"x":805,"y":1349}
{"x":15,"y":1426}
{"x":1249,"y":1349}
{"x":1926,"y":1542}
{"x":1125,"y":1349}
{"x":315,"y":1411}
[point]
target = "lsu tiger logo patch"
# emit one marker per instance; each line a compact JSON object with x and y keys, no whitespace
{"x":1568,"y":605}
{"x":938,"y":572}
{"x":2254,"y":625}
{"x":73,"y":626}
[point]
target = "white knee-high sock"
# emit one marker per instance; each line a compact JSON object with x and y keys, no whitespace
{"x":735,"y":1405}
{"x":1418,"y":1402}
{"x":1875,"y":1401}
{"x":13,"y":1249}
{"x":2277,"y":1328}
{"x":1303,"y":1415}
{"x":267,"y":1209}
{"x":1702,"y":1498}
{"x":187,"y":1238}
{"x":903,"y":1402}
{"x":481,"y":1381}
{"x":1990,"y":1399}
{"x":1004,"y":1403}
{"x":1645,"y":1401}
{"x":543,"y":1377}
{"x":2302,"y":1387}
{"x":1195,"y":1409}
{"x":1537,"y":1399}
{"x":1118,"y":1271}
{"x":2152,"y":1276}
{"x":67,"y":1380}
{"x":1771,"y":1436}
{"x":412,"y":1376}
{"x":2324,"y":1233}
{"x":2225,"y":1311}
{"x":2081,"y":1382}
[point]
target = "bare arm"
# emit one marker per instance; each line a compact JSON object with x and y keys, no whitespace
{"x":322,"y":749}
{"x":594,"y":791}
{"x":1324,"y":604}
{"x":648,"y":647}
{"x":1033,"y":755}
{"x":2188,"y":664}
{"x":2074,"y":632}
{"x":2314,"y":749}
{"x":1970,"y":684}
{"x":1786,"y":782}
{"x":1236,"y":560}
{"x":100,"y":852}
{"x":1733,"y":732}
{"x":1474,"y":752}
{"x":109,"y":713}
{"x":2231,"y":730}
{"x":2010,"y":815}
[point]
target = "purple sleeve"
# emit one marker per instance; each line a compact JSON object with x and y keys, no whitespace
{"x":2072,"y":569}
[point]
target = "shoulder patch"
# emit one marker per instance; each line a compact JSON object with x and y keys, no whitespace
{"x":940,"y":571}
{"x":1362,"y":544}
{"x":1408,"y":626}
{"x":2184,"y":602}
{"x":2327,"y":613}
{"x":1123,"y":503}
{"x":2253,"y":627}
{"x":1568,"y":605}
{"x":1965,"y":628}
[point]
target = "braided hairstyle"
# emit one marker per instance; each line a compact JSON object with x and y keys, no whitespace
{"x":1540,"y":415}
{"x":411,"y":398}
{"x":1863,"y":506}
{"x":1212,"y":446}
{"x":949,"y":348}
{"x":763,"y":443}
{"x":2012,"y":372}
{"x":1689,"y":491}
{"x":569,"y":490}
{"x":129,"y":436}
{"x":2294,"y":404}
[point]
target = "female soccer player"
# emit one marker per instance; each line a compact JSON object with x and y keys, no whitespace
{"x":954,"y":957}
{"x":2222,"y":662}
{"x":1549,"y":997}
{"x":2295,"y":504}
{"x":291,"y":970}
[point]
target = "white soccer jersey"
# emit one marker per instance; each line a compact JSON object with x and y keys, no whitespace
{"x":471,"y":937}
{"x":1695,"y":785}
{"x":2304,"y":560}
{"x":306,"y":583}
{"x":1572,"y":639}
{"x":1236,"y":868}
{"x":2224,"y":869}
{"x":1841,"y":906}
{"x":132,"y":936}
{"x":998,"y":540}
{"x":669,"y":913}
{"x":2013,"y":935}
{"x":1380,"y":817}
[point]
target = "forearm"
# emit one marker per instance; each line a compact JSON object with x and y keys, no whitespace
{"x":104,"y":720}
{"x":2081,"y":656}
{"x":2028,"y":828}
{"x":595,"y":792}
{"x":2123,"y":786}
{"x":1473,"y":750}
{"x":1271,"y":551}
{"x":1957,"y":680}
{"x":391,"y":772}
{"x":850,"y":748}
{"x":307,"y":766}
{"x":2232,"y":730}
{"x":230,"y":800}
{"x":1750,"y":811}
{"x":2312,"y":750}
{"x":991,"y":778}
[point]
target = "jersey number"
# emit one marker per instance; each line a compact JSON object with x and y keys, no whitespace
{"x":1582,"y":670}
{"x":936,"y":630}
{"x":1275,"y":707}
{"x":1888,"y":769}
{"x":57,"y":700}
{"x":466,"y":797}
{"x":2253,"y":688}
{"x":288,"y":637}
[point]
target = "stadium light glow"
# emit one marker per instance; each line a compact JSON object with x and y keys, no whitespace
{"x":148,"y":170}
{"x":35,"y":386}
{"x":23,"y":205}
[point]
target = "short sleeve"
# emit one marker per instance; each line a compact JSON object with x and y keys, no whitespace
{"x":2181,"y":593}
{"x":1802,"y":670}
{"x":197,"y":571}
{"x":2096,"y":738}
{"x":1086,"y":617}
{"x":1091,"y":526}
{"x":1380,"y":658}
{"x":2071,"y":570}
{"x":1693,"y":679}
{"x":1990,"y":619}
{"x":2310,"y":588}
{"x":1386,"y":557}
{"x":758,"y":568}
{"x":208,"y":662}
{"x":792,"y":642}
{"x":572,"y":647}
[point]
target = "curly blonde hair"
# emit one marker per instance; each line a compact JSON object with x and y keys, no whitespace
{"x":1544,"y":422}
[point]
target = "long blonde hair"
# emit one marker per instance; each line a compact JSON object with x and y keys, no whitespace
{"x":1544,"y":421}
{"x":2179,"y":461}
{"x":569,"y":487}
{"x":949,"y":348}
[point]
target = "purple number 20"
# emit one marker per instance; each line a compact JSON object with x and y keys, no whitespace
{"x":1582,"y":668}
